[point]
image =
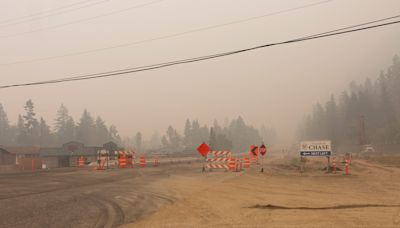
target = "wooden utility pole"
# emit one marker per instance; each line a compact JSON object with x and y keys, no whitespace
{"x":362,"y":130}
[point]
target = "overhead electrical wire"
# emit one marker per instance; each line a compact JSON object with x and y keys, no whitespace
{"x":315,"y":35}
{"x":202,"y":58}
{"x":178,"y":34}
{"x":82,"y":20}
{"x":49,"y":13}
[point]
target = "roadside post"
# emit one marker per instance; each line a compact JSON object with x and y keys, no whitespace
{"x":347,"y":167}
{"x":321,"y":148}
{"x":203,"y":149}
{"x":334,"y":164}
{"x":263,"y":150}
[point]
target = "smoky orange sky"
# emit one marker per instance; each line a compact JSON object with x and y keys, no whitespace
{"x":274,"y":86}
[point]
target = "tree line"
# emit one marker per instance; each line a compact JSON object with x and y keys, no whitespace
{"x":236,"y":136}
{"x":366,"y":113}
{"x":33,"y":131}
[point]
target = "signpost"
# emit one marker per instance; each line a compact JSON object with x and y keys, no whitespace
{"x":262,"y":150}
{"x":203,"y":149}
{"x":314,"y":149}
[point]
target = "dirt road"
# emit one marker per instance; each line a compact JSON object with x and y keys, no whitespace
{"x":282,"y":197}
{"x":82,"y":198}
{"x":179,"y":195}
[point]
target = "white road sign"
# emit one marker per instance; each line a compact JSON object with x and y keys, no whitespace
{"x":316,"y":148}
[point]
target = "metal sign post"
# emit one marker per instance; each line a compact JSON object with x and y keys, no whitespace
{"x":263,"y":150}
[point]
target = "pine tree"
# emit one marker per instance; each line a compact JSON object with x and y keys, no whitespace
{"x":22,"y":134}
{"x":31,"y":124}
{"x":138,"y":141}
{"x":85,"y":129}
{"x":188,"y":139}
{"x":213,"y":140}
{"x":60,"y":126}
{"x":113,"y":135}
{"x":45,"y":136}
{"x":5,"y":131}
{"x":101,"y":131}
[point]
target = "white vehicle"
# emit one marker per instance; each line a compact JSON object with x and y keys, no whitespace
{"x":368,"y":149}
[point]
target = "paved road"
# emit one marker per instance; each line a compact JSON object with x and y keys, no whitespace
{"x":82,"y":198}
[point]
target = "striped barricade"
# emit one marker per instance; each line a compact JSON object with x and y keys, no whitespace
{"x":219,"y":160}
{"x":220,"y":153}
{"x":246,"y":162}
{"x":142,"y":161}
{"x":217,"y":166}
{"x":232,"y":164}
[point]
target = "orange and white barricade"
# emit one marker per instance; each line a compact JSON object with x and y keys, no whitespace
{"x":142,"y":161}
{"x":122,"y":160}
{"x":219,"y":160}
{"x":102,"y":159}
{"x":246,"y":161}
{"x":81,"y":162}
{"x":232,"y":164}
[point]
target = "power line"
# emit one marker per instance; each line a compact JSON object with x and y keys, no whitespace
{"x":81,"y":20}
{"x":310,"y":36}
{"x":197,"y":59}
{"x":49,"y":13}
{"x":164,"y":37}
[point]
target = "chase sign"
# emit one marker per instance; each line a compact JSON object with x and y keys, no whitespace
{"x":315,"y":148}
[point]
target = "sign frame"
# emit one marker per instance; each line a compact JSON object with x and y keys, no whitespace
{"x":320,"y":148}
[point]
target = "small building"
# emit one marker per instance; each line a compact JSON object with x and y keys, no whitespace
{"x":6,"y":158}
{"x":69,"y":153}
{"x":20,"y":157}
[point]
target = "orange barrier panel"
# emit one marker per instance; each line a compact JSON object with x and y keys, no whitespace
{"x":122,"y":161}
{"x":246,"y":161}
{"x":81,"y":162}
{"x":232,"y":164}
{"x":142,"y":161}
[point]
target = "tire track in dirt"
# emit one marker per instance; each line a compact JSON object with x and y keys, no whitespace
{"x":111,"y":214}
{"x":337,"y":207}
{"x":377,"y":167}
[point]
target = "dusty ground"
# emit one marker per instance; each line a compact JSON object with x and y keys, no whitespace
{"x":179,"y":195}
{"x":83,"y":198}
{"x":282,"y":197}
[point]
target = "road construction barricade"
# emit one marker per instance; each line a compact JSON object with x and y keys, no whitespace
{"x":232,"y":164}
{"x":155,"y":160}
{"x":142,"y":161}
{"x":122,"y":159}
{"x":129,"y":158}
{"x":81,"y":162}
{"x":102,"y":159}
{"x":348,"y":157}
{"x":246,"y":162}
{"x":218,"y":160}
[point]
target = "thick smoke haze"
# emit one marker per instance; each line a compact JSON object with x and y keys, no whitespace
{"x":275,"y":86}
